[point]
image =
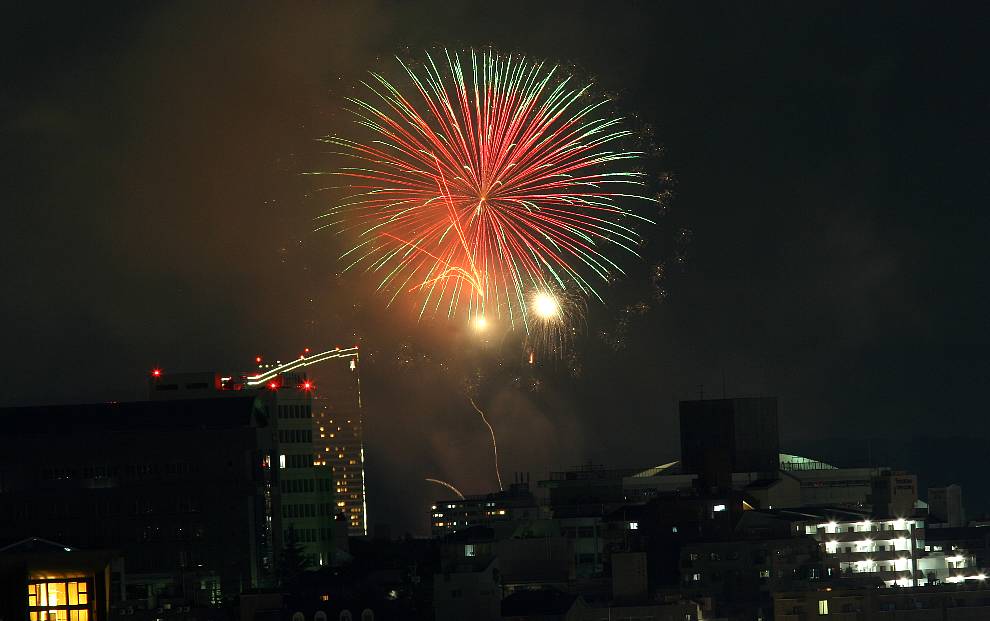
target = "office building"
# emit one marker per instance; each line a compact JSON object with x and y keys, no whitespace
{"x":305,"y":482}
{"x":184,"y":489}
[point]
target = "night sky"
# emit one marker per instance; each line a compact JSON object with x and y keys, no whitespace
{"x":826,"y":241}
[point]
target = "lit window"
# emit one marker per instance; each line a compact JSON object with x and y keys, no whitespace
{"x":59,"y":600}
{"x":823,"y":607}
{"x":718,"y":508}
{"x":281,"y":461}
{"x":633,"y":525}
{"x":468,"y":549}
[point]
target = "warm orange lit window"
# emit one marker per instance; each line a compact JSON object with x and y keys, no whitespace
{"x":59,"y":600}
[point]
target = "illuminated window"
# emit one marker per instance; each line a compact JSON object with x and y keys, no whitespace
{"x":718,"y":508}
{"x":823,"y":607}
{"x":59,"y":600}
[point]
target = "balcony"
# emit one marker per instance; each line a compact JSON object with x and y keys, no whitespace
{"x":872,"y":535}
{"x":878,"y":556}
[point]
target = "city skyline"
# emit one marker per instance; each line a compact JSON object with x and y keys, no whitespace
{"x":823,"y":243}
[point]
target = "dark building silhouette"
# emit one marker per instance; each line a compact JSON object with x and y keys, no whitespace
{"x":722,"y":436}
{"x":188,"y":491}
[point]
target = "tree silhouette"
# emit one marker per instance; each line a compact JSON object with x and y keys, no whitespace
{"x":293,"y":560}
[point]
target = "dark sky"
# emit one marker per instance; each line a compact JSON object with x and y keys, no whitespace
{"x":830,"y":168}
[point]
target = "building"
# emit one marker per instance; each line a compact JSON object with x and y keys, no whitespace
{"x":44,"y":580}
{"x":469,"y":583}
{"x":722,"y":436}
{"x":739,"y":576}
{"x":184,"y":489}
{"x":338,"y":411}
{"x":971,"y":540}
{"x":514,"y":504}
{"x":305,"y":483}
{"x":587,"y":490}
{"x":945,"y":506}
{"x":888,"y":550}
{"x":938,"y":603}
{"x":203,"y":485}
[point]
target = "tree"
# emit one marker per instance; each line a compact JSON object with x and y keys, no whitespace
{"x":293,"y":561}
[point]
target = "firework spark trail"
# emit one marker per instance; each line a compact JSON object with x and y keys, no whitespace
{"x":498,"y":473}
{"x":488,"y":178}
{"x":448,"y":486}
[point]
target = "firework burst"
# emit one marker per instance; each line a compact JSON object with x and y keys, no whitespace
{"x":486,"y":178}
{"x":556,"y":318}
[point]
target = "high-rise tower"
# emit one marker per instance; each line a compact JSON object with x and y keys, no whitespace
{"x":338,"y":414}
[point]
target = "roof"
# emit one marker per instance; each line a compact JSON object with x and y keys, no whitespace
{"x":130,"y":416}
{"x":33,"y":545}
{"x":786,"y":461}
{"x":537,"y":602}
{"x":832,"y":514}
{"x":42,"y":557}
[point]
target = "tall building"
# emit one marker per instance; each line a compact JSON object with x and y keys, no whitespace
{"x":304,"y":481}
{"x":722,"y":436}
{"x":338,"y":413}
{"x":336,"y":425}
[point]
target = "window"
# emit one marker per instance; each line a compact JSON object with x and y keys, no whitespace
{"x":823,"y":607}
{"x":469,"y":550}
{"x":633,"y":525}
{"x":59,"y":600}
{"x":718,"y":508}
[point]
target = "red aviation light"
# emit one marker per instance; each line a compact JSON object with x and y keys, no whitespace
{"x":156,"y":373}
{"x":257,"y":359}
{"x":307,"y":385}
{"x":273,"y":385}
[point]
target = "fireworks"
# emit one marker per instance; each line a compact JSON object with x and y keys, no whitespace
{"x":448,"y":486}
{"x":556,"y":318}
{"x":498,"y":472}
{"x":486,"y":178}
{"x":545,"y":306}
